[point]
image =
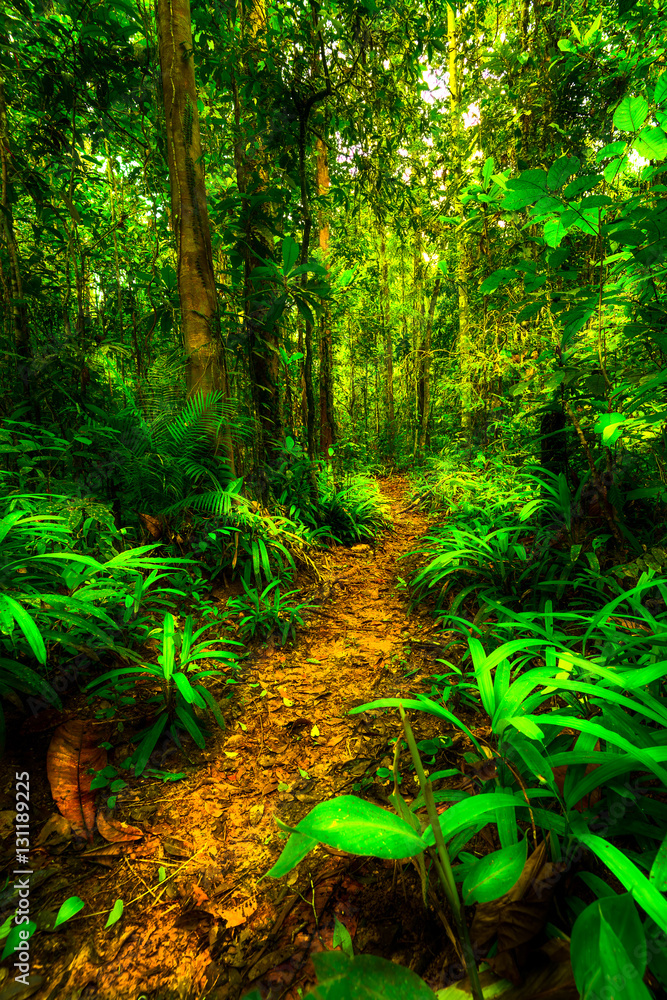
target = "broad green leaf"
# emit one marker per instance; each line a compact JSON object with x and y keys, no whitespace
{"x":651,"y":143}
{"x":522,"y":191}
{"x":500,"y":277}
{"x":538,"y":766}
{"x":294,"y":851}
{"x":546,"y":205}
{"x":342,"y":938}
{"x":610,"y":426}
{"x":614,"y":168}
{"x":348,"y":823}
{"x":611,"y":149}
{"x":147,"y":745}
{"x":365,"y":977}
{"x":561,"y":170}
{"x":186,"y":690}
{"x":482,"y":675}
{"x":581,"y":184}
{"x":615,"y":972}
{"x":344,"y":279}
{"x":628,"y":237}
{"x":594,"y":28}
{"x":115,"y":913}
{"x":69,"y":909}
{"x":658,"y":875}
{"x":495,"y":874}
{"x":554,"y":232}
{"x":631,"y":114}
{"x":290,"y":253}
{"x":660,"y":89}
{"x":599,"y":953}
{"x":494,"y":988}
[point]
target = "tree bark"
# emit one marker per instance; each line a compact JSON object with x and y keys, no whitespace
{"x":17,"y":307}
{"x":385,"y":314}
{"x":464,"y":343}
{"x":189,"y":213}
{"x":257,"y":243}
{"x":425,"y":369}
{"x":327,"y":421}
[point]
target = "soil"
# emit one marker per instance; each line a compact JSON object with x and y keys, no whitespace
{"x":189,"y":859}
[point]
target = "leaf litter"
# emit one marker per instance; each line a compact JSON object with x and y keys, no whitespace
{"x":188,"y":860}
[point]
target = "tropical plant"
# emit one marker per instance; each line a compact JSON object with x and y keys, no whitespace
{"x":267,"y":612}
{"x":183,"y":695}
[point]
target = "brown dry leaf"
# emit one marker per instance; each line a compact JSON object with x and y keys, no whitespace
{"x":519,"y":915}
{"x":56,"y":830}
{"x":117,"y":832}
{"x":239,"y":914}
{"x":153,"y":525}
{"x":73,"y":752}
{"x":553,"y":980}
{"x":106,"y":855}
{"x":176,"y":848}
{"x":199,"y":897}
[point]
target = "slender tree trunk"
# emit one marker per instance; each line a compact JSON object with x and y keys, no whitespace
{"x":385,"y":313}
{"x":425,"y":369}
{"x":417,"y":334}
{"x":464,"y":344}
{"x":189,"y":213}
{"x":18,"y":309}
{"x":327,"y":421}
{"x":257,"y":242}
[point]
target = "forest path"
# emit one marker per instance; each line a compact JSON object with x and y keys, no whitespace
{"x":215,"y":928}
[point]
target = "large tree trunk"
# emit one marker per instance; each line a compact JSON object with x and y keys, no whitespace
{"x":327,"y":422}
{"x":257,"y":242}
{"x":189,"y":213}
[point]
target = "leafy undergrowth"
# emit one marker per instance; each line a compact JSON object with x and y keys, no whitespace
{"x":538,"y":742}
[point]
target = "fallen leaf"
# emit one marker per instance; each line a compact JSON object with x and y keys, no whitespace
{"x":517,"y":916}
{"x":239,"y":914}
{"x":117,"y":832}
{"x":73,"y":753}
{"x":57,"y":830}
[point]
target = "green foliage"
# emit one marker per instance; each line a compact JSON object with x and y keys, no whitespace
{"x":267,"y":612}
{"x":51,"y":594}
{"x":356,"y":513}
{"x":183,"y":696}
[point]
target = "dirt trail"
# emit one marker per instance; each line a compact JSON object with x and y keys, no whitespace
{"x":211,"y":930}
